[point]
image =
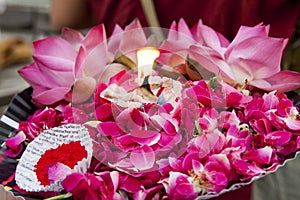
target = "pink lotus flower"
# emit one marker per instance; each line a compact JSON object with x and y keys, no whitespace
{"x":180,"y":38}
{"x":175,"y":49}
{"x":141,"y":186}
{"x":247,"y":60}
{"x":61,"y":63}
{"x":51,"y":75}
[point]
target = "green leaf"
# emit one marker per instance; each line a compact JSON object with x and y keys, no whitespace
{"x":197,"y":128}
{"x":214,"y":83}
{"x":92,"y":124}
{"x":62,"y":196}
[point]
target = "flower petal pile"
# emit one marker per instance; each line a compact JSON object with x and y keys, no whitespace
{"x":224,"y":121}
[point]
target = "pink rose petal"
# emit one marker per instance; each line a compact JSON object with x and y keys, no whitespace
{"x":261,"y":156}
{"x":57,"y":172}
{"x":292,"y":124}
{"x":14,"y":144}
{"x":145,"y":137}
{"x":142,"y":157}
{"x":278,"y":138}
{"x":109,"y":129}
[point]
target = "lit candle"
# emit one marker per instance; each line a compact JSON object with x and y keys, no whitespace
{"x":145,"y":58}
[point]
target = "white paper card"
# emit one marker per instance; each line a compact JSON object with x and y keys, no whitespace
{"x":50,"y":139}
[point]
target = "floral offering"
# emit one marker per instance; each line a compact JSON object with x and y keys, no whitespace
{"x":126,"y":117}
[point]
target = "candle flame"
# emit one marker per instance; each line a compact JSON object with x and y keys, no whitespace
{"x":145,"y":58}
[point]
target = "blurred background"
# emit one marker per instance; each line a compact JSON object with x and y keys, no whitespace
{"x":21,"y":22}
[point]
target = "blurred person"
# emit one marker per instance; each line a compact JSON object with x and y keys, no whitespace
{"x":224,"y":16}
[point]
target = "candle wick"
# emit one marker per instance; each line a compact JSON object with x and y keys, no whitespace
{"x":146,"y":84}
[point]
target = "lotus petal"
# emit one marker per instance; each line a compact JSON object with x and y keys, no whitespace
{"x":133,"y":39}
{"x":180,"y":33}
{"x":260,"y":65}
{"x":48,"y":96}
{"x":55,"y":47}
{"x":95,"y":37}
{"x":83,"y":89}
{"x":115,"y":39}
{"x":210,"y":37}
{"x":33,"y":75}
{"x":246,"y":32}
{"x":211,"y":60}
{"x":74,"y":37}
{"x":282,"y":82}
